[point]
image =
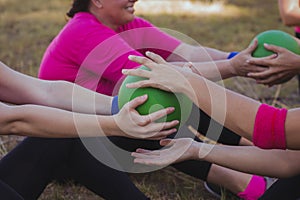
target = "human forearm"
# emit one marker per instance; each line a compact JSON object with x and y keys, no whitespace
{"x":250,"y":159}
{"x":60,"y":94}
{"x":225,"y":106}
{"x":192,"y":53}
{"x":32,"y":120}
{"x":69,"y":96}
{"x":214,"y":71}
{"x":235,"y":65}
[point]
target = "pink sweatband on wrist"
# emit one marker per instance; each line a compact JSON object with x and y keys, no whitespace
{"x":269,"y":131}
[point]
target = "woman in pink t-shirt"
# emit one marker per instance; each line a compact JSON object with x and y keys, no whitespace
{"x":91,"y":50}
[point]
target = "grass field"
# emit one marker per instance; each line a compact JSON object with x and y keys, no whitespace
{"x":27,"y":27}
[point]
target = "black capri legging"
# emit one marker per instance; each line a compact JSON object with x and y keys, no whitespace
{"x":36,"y":162}
{"x":8,"y":193}
{"x":287,"y":188}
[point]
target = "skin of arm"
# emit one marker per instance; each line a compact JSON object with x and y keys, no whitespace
{"x":222,"y":68}
{"x":235,"y":111}
{"x":289,"y":12}
{"x":281,"y":66}
{"x":194,"y":53}
{"x":272,"y":163}
{"x":42,"y":121}
{"x":59,"y":94}
{"x":36,"y":120}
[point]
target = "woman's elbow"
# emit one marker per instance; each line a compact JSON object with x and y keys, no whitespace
{"x":11,"y":122}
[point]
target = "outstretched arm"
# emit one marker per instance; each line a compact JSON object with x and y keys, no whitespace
{"x":18,"y":88}
{"x":235,"y":111}
{"x":217,"y":69}
{"x":41,"y":121}
{"x":248,"y":159}
{"x":193,"y":53}
{"x":223,"y":105}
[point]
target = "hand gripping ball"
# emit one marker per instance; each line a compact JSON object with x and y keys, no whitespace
{"x":157,"y":100}
{"x":277,"y":38}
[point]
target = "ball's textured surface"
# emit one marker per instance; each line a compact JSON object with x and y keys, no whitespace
{"x":157,"y":99}
{"x":275,"y":37}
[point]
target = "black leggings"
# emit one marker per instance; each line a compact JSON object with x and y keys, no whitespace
{"x":287,"y":188}
{"x":8,"y":193}
{"x":36,"y":162}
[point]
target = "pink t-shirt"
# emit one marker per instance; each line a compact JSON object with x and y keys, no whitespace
{"x":92,"y":55}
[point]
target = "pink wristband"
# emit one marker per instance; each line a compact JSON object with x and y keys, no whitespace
{"x":269,"y":131}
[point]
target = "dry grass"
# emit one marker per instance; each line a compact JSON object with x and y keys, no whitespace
{"x":27,"y":27}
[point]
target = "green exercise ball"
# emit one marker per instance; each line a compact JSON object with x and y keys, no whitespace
{"x":157,"y":100}
{"x":275,"y":37}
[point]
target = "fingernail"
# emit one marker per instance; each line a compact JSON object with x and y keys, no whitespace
{"x":128,"y":85}
{"x":148,"y":53}
{"x":124,"y":71}
{"x":144,"y":96}
{"x":130,"y":57}
{"x":172,"y":108}
{"x":266,"y":45}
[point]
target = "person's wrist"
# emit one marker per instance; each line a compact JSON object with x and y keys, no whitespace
{"x":115,"y":125}
{"x":232,"y":65}
{"x":204,"y":149}
{"x":109,"y":125}
{"x":195,"y":148}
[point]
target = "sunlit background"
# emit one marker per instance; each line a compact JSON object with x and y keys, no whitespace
{"x":180,"y":7}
